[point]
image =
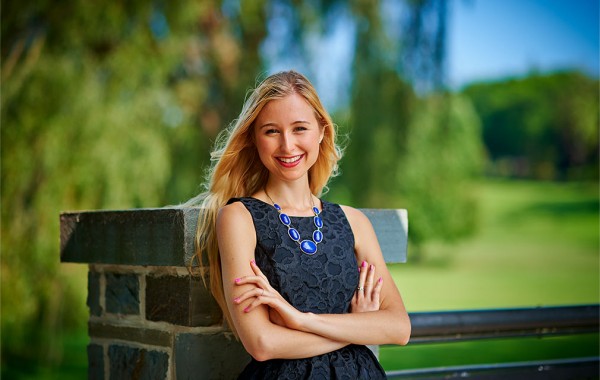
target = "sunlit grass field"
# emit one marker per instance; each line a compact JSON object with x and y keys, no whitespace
{"x":537,"y":244}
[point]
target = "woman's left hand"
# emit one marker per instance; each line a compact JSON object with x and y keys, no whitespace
{"x":280,"y":312}
{"x":367,"y":295}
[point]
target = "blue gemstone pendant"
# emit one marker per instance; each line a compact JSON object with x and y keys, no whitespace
{"x":285,"y":219}
{"x":317,"y":236}
{"x":308,"y":246}
{"x":294,"y":234}
{"x":318,"y":222}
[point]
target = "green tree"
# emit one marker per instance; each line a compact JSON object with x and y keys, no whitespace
{"x":543,"y":125}
{"x":444,"y":155}
{"x":111,"y":107}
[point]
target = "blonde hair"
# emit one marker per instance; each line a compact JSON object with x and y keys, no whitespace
{"x":237,"y":171}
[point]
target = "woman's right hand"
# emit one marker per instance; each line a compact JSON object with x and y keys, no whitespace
{"x":280,"y":311}
{"x":366,"y":297}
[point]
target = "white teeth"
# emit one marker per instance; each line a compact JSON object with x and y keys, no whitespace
{"x":289,"y":160}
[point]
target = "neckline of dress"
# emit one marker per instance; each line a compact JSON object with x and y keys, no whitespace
{"x":292,"y":216}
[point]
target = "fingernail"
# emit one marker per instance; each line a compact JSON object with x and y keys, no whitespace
{"x":372,"y":266}
{"x":246,"y":309}
{"x":364,"y":264}
{"x":236,"y":299}
{"x":237,"y":280}
{"x":380,"y":279}
{"x":253,"y":262}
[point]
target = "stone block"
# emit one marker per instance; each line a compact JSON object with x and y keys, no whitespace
{"x":137,"y":363}
{"x":209,"y":356}
{"x":161,"y":237}
{"x":122,"y":293}
{"x":132,"y":334}
{"x":95,"y":362}
{"x":205,"y":310}
{"x":180,"y":300}
{"x":93,"y":297}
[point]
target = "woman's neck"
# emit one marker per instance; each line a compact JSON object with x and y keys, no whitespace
{"x":293,"y":197}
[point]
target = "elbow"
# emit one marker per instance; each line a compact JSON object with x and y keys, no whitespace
{"x":260,"y":356}
{"x":406,"y":331}
{"x":402,"y":333}
{"x":404,"y":338}
{"x":260,"y":350}
{"x":401,"y":338}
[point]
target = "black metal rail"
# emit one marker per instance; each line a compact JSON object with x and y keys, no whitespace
{"x":451,"y":326}
{"x":577,"y":369}
{"x":430,"y":327}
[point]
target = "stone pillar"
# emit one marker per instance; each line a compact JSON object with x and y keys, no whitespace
{"x":151,"y":317}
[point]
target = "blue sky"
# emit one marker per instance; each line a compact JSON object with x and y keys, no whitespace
{"x":487,"y":40}
{"x":498,"y":38}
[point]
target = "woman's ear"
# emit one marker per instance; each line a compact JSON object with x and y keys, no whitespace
{"x":322,"y":134}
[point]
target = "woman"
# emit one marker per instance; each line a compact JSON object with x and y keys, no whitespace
{"x":284,"y":265}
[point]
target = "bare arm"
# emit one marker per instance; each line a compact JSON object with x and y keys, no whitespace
{"x":262,"y":338}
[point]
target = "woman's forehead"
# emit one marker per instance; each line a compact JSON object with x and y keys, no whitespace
{"x":287,"y":109}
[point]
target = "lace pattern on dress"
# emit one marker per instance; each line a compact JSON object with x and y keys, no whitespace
{"x":323,"y":283}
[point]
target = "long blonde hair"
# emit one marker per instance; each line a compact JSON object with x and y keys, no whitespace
{"x":237,"y":171}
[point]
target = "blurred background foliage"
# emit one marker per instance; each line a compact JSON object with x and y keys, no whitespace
{"x":115,"y":105}
{"x":540,"y":126}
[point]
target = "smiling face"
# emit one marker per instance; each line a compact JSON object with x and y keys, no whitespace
{"x":287,"y":137}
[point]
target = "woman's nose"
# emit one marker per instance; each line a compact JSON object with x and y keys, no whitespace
{"x":287,"y":142}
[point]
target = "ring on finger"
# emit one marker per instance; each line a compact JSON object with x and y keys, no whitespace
{"x":360,"y":288}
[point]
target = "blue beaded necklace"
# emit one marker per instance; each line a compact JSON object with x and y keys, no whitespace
{"x":307,"y":246}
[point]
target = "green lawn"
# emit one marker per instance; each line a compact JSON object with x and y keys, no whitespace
{"x":537,"y":244}
{"x":488,"y":351}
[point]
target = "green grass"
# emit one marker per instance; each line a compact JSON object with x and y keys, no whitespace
{"x":537,"y":244}
{"x":488,"y":351}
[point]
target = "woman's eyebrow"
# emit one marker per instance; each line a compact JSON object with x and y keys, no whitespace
{"x":269,"y":124}
{"x":273,"y":124}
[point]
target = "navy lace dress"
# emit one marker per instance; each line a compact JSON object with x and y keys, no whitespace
{"x":323,"y":283}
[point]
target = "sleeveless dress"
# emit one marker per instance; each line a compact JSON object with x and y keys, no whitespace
{"x":323,"y":283}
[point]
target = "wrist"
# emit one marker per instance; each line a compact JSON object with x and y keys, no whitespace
{"x":308,"y":320}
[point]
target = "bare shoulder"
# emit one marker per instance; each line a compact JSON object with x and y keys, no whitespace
{"x":234,"y":216}
{"x":357,"y":218}
{"x":233,"y":210}
{"x":235,"y":233}
{"x":364,"y":234}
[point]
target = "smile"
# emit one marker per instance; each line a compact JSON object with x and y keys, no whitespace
{"x":289,"y":161}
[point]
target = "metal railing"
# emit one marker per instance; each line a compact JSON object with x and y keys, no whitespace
{"x":452,"y":326}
